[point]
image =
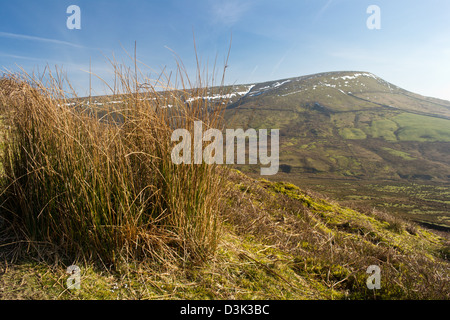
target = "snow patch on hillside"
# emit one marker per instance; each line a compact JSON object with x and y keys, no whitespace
{"x":222,"y":96}
{"x":267,"y":88}
{"x":356,"y":75}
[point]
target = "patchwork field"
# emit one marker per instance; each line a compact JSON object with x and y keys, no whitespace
{"x":359,"y":139}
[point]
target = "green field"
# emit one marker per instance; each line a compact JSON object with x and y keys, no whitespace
{"x":422,"y":128}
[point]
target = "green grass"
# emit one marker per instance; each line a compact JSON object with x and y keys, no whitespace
{"x":423,"y":202}
{"x":398,"y":153}
{"x":422,"y":128}
{"x":383,"y":129}
{"x":352,"y":134}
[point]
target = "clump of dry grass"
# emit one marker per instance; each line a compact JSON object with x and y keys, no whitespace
{"x":99,"y":189}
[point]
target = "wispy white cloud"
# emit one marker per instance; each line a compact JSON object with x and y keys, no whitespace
{"x":253,"y":71}
{"x":66,"y":65}
{"x":278,"y":64}
{"x":229,"y":12}
{"x":39,"y":39}
{"x":14,"y":56}
{"x":358,"y":55}
{"x":323,"y":9}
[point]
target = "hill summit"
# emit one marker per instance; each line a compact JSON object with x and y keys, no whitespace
{"x":350,"y":124}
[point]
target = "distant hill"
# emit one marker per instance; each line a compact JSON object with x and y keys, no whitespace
{"x":356,"y":138}
{"x":350,"y":124}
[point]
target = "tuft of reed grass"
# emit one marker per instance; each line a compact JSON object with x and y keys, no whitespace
{"x":99,"y":182}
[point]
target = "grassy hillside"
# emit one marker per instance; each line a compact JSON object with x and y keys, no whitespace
{"x":278,"y":242}
{"x":350,"y":124}
{"x":342,"y":129}
{"x":106,"y":196}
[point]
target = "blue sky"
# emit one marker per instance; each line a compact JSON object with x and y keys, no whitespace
{"x":270,"y":39}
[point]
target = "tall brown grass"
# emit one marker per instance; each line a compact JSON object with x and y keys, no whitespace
{"x":98,"y":181}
